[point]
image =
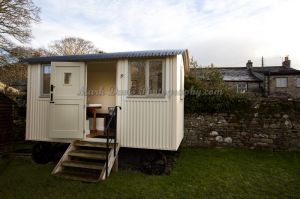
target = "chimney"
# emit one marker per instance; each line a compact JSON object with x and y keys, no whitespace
{"x":286,"y":63}
{"x":249,"y":64}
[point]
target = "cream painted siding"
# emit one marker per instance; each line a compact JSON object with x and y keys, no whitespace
{"x":179,"y":101}
{"x":149,"y":122}
{"x":37,"y":115}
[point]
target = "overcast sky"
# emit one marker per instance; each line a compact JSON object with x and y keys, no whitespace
{"x":223,"y":32}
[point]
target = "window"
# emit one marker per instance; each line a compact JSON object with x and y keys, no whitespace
{"x":241,"y":87}
{"x":298,"y":81}
{"x":138,"y":80}
{"x":155,"y":77}
{"x":146,"y":78}
{"x":45,"y":80}
{"x":67,"y":78}
{"x":281,"y":82}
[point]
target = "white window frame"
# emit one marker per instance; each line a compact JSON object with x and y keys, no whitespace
{"x":147,"y":72}
{"x":298,"y":82}
{"x":281,"y":78}
{"x":238,"y":85}
{"x":42,"y":94}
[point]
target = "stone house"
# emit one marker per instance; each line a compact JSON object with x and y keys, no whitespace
{"x":269,"y":81}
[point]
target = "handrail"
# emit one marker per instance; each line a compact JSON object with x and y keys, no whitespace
{"x":108,"y":126}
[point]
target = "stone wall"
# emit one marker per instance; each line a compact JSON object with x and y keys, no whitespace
{"x":268,"y":124}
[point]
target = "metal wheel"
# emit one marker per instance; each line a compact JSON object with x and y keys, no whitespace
{"x":154,"y":163}
{"x":42,"y":152}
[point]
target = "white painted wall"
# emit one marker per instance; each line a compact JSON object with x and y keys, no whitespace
{"x":150,"y":123}
{"x":37,"y":113}
{"x":102,"y":76}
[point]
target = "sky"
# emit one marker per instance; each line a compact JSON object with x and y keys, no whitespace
{"x":223,"y":32}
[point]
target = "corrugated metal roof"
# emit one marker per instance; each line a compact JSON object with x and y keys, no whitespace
{"x":105,"y":56}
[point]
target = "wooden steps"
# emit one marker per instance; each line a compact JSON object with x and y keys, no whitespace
{"x":82,"y":164}
{"x":91,"y":144}
{"x":71,"y":175}
{"x":86,"y":161}
{"x":88,"y":154}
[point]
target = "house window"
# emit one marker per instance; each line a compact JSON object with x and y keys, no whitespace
{"x":146,"y":78}
{"x":281,"y":82}
{"x":45,"y":80}
{"x":298,"y":81}
{"x":241,"y":87}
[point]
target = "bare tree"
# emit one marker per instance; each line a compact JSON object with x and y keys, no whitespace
{"x":72,"y":46}
{"x":16,"y":72}
{"x":16,"y":17}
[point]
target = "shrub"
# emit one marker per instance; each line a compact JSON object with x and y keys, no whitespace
{"x":206,"y":92}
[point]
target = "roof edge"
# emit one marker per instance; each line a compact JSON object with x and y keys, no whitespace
{"x":109,"y":56}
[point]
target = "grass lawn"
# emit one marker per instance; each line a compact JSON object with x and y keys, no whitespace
{"x":198,"y":173}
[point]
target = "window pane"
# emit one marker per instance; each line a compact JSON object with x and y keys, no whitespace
{"x":281,"y":82}
{"x":67,"y":78}
{"x":137,"y":81}
{"x":155,"y":77}
{"x":298,"y":82}
{"x":46,"y":79}
{"x":241,"y":87}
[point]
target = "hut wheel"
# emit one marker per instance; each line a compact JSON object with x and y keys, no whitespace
{"x":154,"y":163}
{"x":42,"y":152}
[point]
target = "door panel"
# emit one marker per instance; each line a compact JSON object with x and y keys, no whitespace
{"x":67,"y":108}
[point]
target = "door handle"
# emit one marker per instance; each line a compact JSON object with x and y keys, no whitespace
{"x":51,"y":87}
{"x":51,"y":98}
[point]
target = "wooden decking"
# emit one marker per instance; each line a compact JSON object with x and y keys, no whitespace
{"x":86,"y":161}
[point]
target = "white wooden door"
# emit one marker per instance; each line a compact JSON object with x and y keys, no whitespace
{"x":67,"y":114}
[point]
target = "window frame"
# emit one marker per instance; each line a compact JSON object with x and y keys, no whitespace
{"x":42,"y":94}
{"x":298,"y":80}
{"x":147,"y":79}
{"x":277,"y":86}
{"x":239,"y":85}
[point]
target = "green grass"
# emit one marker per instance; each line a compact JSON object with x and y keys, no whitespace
{"x":198,"y":173}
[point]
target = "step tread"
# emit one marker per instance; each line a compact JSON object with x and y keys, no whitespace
{"x":88,"y":154}
{"x":81,"y":164}
{"x":91,"y":144}
{"x":78,"y":176}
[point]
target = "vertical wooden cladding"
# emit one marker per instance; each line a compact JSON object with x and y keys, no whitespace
{"x":37,"y":115}
{"x":147,"y":122}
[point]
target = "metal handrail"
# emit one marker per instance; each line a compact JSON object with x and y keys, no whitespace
{"x":108,"y":126}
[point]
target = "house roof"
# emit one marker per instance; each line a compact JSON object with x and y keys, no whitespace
{"x":276,"y":70}
{"x":106,"y":56}
{"x":237,"y":74}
